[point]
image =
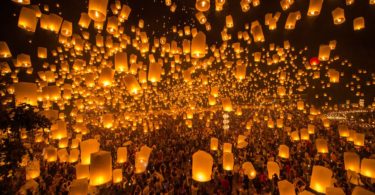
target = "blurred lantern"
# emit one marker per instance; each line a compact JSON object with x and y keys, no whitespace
{"x":320,"y":179}
{"x":33,"y":169}
{"x":272,"y":169}
{"x":50,"y":154}
{"x":228,"y":161}
{"x":214,"y":144}
{"x":106,"y":77}
{"x":314,"y":61}
{"x":294,"y":136}
{"x":359,"y":23}
{"x":108,"y":120}
{"x":154,"y":72}
{"x":241,"y":141}
{"x":334,"y":76}
{"x":87,"y":148}
{"x":202,"y":166}
{"x":324,"y":52}
{"x":227,"y":147}
{"x":368,"y":167}
{"x":227,"y":104}
{"x":122,"y":154}
{"x":321,"y":146}
{"x":314,"y":7}
{"x":79,"y":187}
{"x":141,"y":159}
{"x":132,"y":84}
{"x":343,"y":131}
{"x":359,"y":139}
{"x":283,"y":151}
{"x":338,"y":15}
{"x":4,"y":50}
{"x":117,"y":175}
{"x":351,"y":161}
{"x":286,"y":188}
{"x":100,"y":168}
{"x":82,"y":171}
{"x":249,"y":170}
{"x":73,"y":156}
{"x":98,"y":10}
{"x":202,"y":5}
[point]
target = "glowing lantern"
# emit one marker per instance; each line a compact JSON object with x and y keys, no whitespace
{"x":27,"y":19}
{"x":98,"y":10}
{"x":270,"y":123}
{"x":359,"y":23}
{"x":100,"y":168}
{"x":281,"y":91}
{"x":124,"y":13}
{"x":26,"y":93}
{"x":50,"y":154}
{"x":338,"y":15}
{"x":241,"y":141}
{"x":117,"y":175}
{"x":201,"y":18}
{"x":321,"y":145}
{"x":304,"y":134}
{"x":141,"y":159}
{"x":359,"y":139}
{"x":211,"y":100}
{"x":121,"y":62}
{"x":227,"y":147}
{"x":320,"y":179}
{"x":122,"y":154}
{"x":4,"y":50}
{"x":202,"y":166}
{"x":294,"y":136}
{"x":343,"y":131}
{"x":273,"y":168}
{"x":352,"y":161}
{"x":23,"y":60}
{"x":79,"y":187}
{"x":300,"y":105}
{"x":361,"y":191}
{"x":334,"y":191}
{"x":368,"y":167}
{"x":33,"y":170}
{"x":73,"y":156}
{"x":249,"y":170}
{"x":314,"y":7}
{"x":63,"y":142}
{"x":154,"y":72}
{"x":314,"y":61}
{"x":42,"y":52}
{"x":132,"y":84}
{"x":198,"y":45}
{"x":106,"y":77}
{"x":63,"y":155}
{"x":229,"y":21}
{"x":324,"y":52}
{"x":59,"y":130}
{"x":286,"y":188}
{"x":214,"y":144}
{"x":84,"y":20}
{"x":283,"y":151}
{"x":227,"y":105}
{"x":22,"y":2}
{"x":87,"y":147}
{"x":202,"y":5}
{"x":82,"y":171}
{"x":66,"y":28}
{"x":228,"y":161}
{"x":334,"y":76}
{"x":112,"y":26}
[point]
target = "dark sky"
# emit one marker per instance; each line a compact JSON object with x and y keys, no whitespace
{"x":357,"y":46}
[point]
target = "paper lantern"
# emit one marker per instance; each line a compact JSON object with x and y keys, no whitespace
{"x":338,"y":15}
{"x":227,"y":147}
{"x":124,"y":13}
{"x":100,"y":168}
{"x":132,"y":84}
{"x":42,"y":52}
{"x":294,"y":136}
{"x":300,"y":105}
{"x":84,"y":20}
{"x":334,"y":76}
{"x":82,"y":171}
{"x":241,"y":141}
{"x":286,"y":188}
{"x":249,"y":170}
{"x":359,"y":139}
{"x":351,"y":136}
{"x":229,"y":21}
{"x":63,"y":155}
{"x":228,"y":161}
{"x":359,"y":23}
{"x":112,"y":26}
{"x":121,"y":62}
{"x":227,"y":105}
{"x":4,"y":50}
{"x":334,"y":191}
{"x":117,"y":175}
{"x":283,"y":151}
{"x":270,"y":124}
{"x":27,"y":19}
{"x":75,"y":143}
{"x":304,"y":134}
{"x":67,"y":28}
{"x":74,"y":155}
{"x":202,"y":166}
{"x":320,"y":179}
{"x":23,"y":60}
{"x":198,"y":45}
{"x":257,"y":33}
{"x":25,"y":93}
{"x":79,"y":187}
{"x":22,"y":2}
{"x":106,"y":77}
{"x":321,"y":145}
{"x":352,"y":161}
{"x":33,"y":170}
{"x":154,"y":72}
{"x":343,"y":131}
{"x":368,"y":167}
{"x":87,"y":148}
{"x":314,"y":7}
{"x":273,"y":168}
{"x":311,"y":128}
{"x":201,"y":18}
{"x":122,"y":154}
{"x":98,"y":10}
{"x":279,"y":123}
{"x":108,"y":120}
{"x":59,"y":130}
{"x":50,"y":154}
{"x":202,"y":5}
{"x":324,"y":52}
{"x":214,"y":144}
{"x":361,"y":191}
{"x":141,"y":159}
{"x":63,"y":142}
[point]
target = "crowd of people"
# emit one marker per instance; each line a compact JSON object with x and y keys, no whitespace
{"x":169,"y":170}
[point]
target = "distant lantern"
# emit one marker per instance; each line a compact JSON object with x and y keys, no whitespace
{"x":229,"y":21}
{"x":66,"y":28}
{"x":84,"y":20}
{"x":338,"y":15}
{"x":314,"y":7}
{"x":50,"y":154}
{"x":79,"y":187}
{"x":214,"y":144}
{"x":124,"y":13}
{"x":201,"y":18}
{"x":228,"y":161}
{"x":295,"y":136}
{"x":352,"y":161}
{"x":368,"y":167}
{"x":82,"y":171}
{"x":87,"y":147}
{"x":334,"y":76}
{"x":320,"y":179}
{"x":202,"y":5}
{"x":359,"y":23}
{"x":300,"y":105}
{"x":283,"y":151}
{"x":106,"y":77}
{"x":241,"y":141}
{"x":270,"y":123}
{"x":26,"y":93}
{"x":33,"y":170}
{"x":272,"y":169}
{"x":27,"y":19}
{"x":321,"y":145}
{"x":4,"y":50}
{"x":122,"y":155}
{"x":249,"y":170}
{"x":202,"y":166}
{"x":42,"y":52}
{"x":227,"y":104}
{"x":343,"y":130}
{"x":227,"y":147}
{"x":198,"y":45}
{"x":324,"y":52}
{"x":100,"y":168}
{"x":142,"y":159}
{"x":132,"y":84}
{"x":359,"y":139}
{"x":98,"y":10}
{"x":112,"y":25}
{"x":286,"y":188}
{"x":59,"y":130}
{"x":117,"y":175}
{"x":154,"y":72}
{"x":73,"y":156}
{"x":311,"y":128}
{"x":108,"y":120}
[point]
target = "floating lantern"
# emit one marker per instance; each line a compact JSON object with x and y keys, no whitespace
{"x":273,"y":168}
{"x":124,"y":13}
{"x":214,"y":144}
{"x":321,"y":145}
{"x":100,"y":168}
{"x":202,"y":5}
{"x":324,"y":52}
{"x":154,"y":72}
{"x":227,"y":105}
{"x":294,"y":136}
{"x":50,"y":154}
{"x":117,"y":175}
{"x":73,"y":156}
{"x":314,"y":7}
{"x":122,"y":154}
{"x":352,"y":161}
{"x":334,"y":76}
{"x":359,"y":23}
{"x":27,"y":19}
{"x":320,"y":179}
{"x":368,"y":167}
{"x":63,"y":155}
{"x":98,"y":10}
{"x":132,"y":84}
{"x":229,"y":21}
{"x":286,"y":188}
{"x":283,"y":151}
{"x":228,"y":161}
{"x":66,"y":28}
{"x":79,"y":187}
{"x":26,"y":93}
{"x":249,"y":170}
{"x":227,"y":147}
{"x":33,"y":170}
{"x":202,"y":166}
{"x":106,"y":77}
{"x":343,"y":131}
{"x":4,"y":50}
{"x":87,"y":148}
{"x":198,"y":45}
{"x":82,"y":171}
{"x":359,"y":139}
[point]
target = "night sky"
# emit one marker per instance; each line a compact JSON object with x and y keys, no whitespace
{"x":356,"y":46}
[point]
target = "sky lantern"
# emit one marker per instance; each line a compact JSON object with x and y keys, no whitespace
{"x":106,"y":77}
{"x":320,"y":179}
{"x":343,"y":130}
{"x":314,"y":61}
{"x":98,"y":10}
{"x":22,"y":2}
{"x":4,"y":50}
{"x":229,"y":21}
{"x":359,"y":139}
{"x":82,"y":171}
{"x":214,"y":144}
{"x":63,"y":155}
{"x":154,"y":72}
{"x":67,"y":28}
{"x":132,"y":84}
{"x":25,"y":93}
{"x":334,"y":76}
{"x":295,"y":136}
{"x":338,"y":15}
{"x":73,"y":155}
{"x":87,"y":147}
{"x":272,"y":169}
{"x":286,"y":188}
{"x":117,"y":175}
{"x":314,"y":7}
{"x":124,"y":13}
{"x":79,"y":187}
{"x":352,"y":161}
{"x":249,"y":170}
{"x":198,"y":45}
{"x":304,"y":134}
{"x":368,"y":167}
{"x":241,"y":141}
{"x":228,"y":161}
{"x":100,"y":168}
{"x":141,"y":159}
{"x":358,"y":23}
{"x":108,"y":120}
{"x":227,"y":147}
{"x":33,"y":169}
{"x":27,"y":19}
{"x":202,"y":166}
{"x":122,"y":154}
{"x":311,"y":128}
{"x":321,"y":145}
{"x":202,"y":5}
{"x":59,"y":130}
{"x":324,"y":52}
{"x":50,"y":154}
{"x":227,"y":104}
{"x":283,"y":151}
